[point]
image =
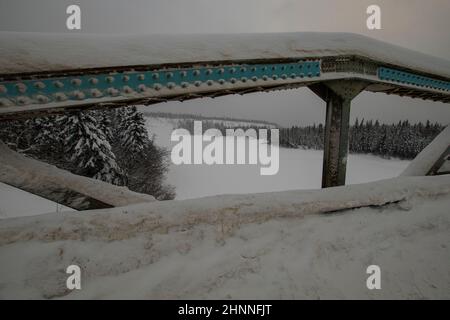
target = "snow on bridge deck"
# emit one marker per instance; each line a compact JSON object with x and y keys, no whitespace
{"x":54,"y":72}
{"x":37,"y":52}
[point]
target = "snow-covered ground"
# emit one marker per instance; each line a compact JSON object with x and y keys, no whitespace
{"x":299,"y":169}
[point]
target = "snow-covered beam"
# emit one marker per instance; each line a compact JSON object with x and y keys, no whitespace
{"x":61,"y":186}
{"x":41,"y":73}
{"x":227,"y":212}
{"x":432,"y":157}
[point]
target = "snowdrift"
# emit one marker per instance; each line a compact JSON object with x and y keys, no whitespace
{"x":291,"y":244}
{"x":62,"y":186}
{"x":34,"y":52}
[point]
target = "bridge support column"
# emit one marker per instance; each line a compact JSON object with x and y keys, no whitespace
{"x":338,"y":96}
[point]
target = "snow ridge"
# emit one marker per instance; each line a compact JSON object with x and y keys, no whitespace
{"x":227,"y":212}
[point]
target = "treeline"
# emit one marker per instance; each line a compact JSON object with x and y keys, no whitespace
{"x":187,"y":116}
{"x":188,"y":124}
{"x":403,"y":139}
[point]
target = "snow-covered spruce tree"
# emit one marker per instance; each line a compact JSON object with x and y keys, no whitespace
{"x":87,"y":147}
{"x":133,"y":135}
{"x":144,"y":163}
{"x":14,"y":134}
{"x":105,"y":119}
{"x":33,"y":137}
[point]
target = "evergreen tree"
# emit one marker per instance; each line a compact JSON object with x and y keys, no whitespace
{"x":143,"y":163}
{"x":87,"y":147}
{"x":133,"y":133}
{"x":402,"y":140}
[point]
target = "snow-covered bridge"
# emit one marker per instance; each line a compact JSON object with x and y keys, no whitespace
{"x":43,"y":73}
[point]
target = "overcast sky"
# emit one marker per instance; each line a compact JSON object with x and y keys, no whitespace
{"x":416,"y":24}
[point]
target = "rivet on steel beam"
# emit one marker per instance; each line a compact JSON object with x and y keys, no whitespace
{"x":169,"y":75}
{"x":60,"y":96}
{"x":208,"y":72}
{"x":274,"y":77}
{"x":293,"y":75}
{"x":155,"y":76}
{"x":243,"y":69}
{"x":244,"y":79}
{"x":171,"y":85}
{"x":183,"y":74}
{"x":127,"y":89}
{"x":41,"y":98}
{"x":110,"y":79}
{"x":184,"y":84}
{"x":3,"y":89}
{"x":221,"y":71}
{"x":76,"y":82}
{"x":254,"y":78}
{"x":79,"y":95}
{"x":196,"y":72}
{"x":233,"y":80}
{"x":39,"y":85}
{"x":93,"y":81}
{"x":142,"y":88}
{"x":112,"y":91}
{"x":197,"y":83}
{"x":22,"y":100}
{"x":265,"y":78}
{"x":125,"y":78}
{"x":221,"y":81}
{"x":209,"y":82}
{"x":157,"y":86}
{"x":141,"y":77}
{"x":232,"y":70}
{"x":21,"y":87}
{"x":96,"y":93}
{"x":284,"y":76}
{"x":4,"y":102}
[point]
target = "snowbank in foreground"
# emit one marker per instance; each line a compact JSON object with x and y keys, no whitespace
{"x":272,"y":245}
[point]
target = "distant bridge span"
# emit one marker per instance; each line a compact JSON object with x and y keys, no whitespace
{"x":45,"y":73}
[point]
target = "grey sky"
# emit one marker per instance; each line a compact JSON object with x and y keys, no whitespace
{"x":415,"y":24}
